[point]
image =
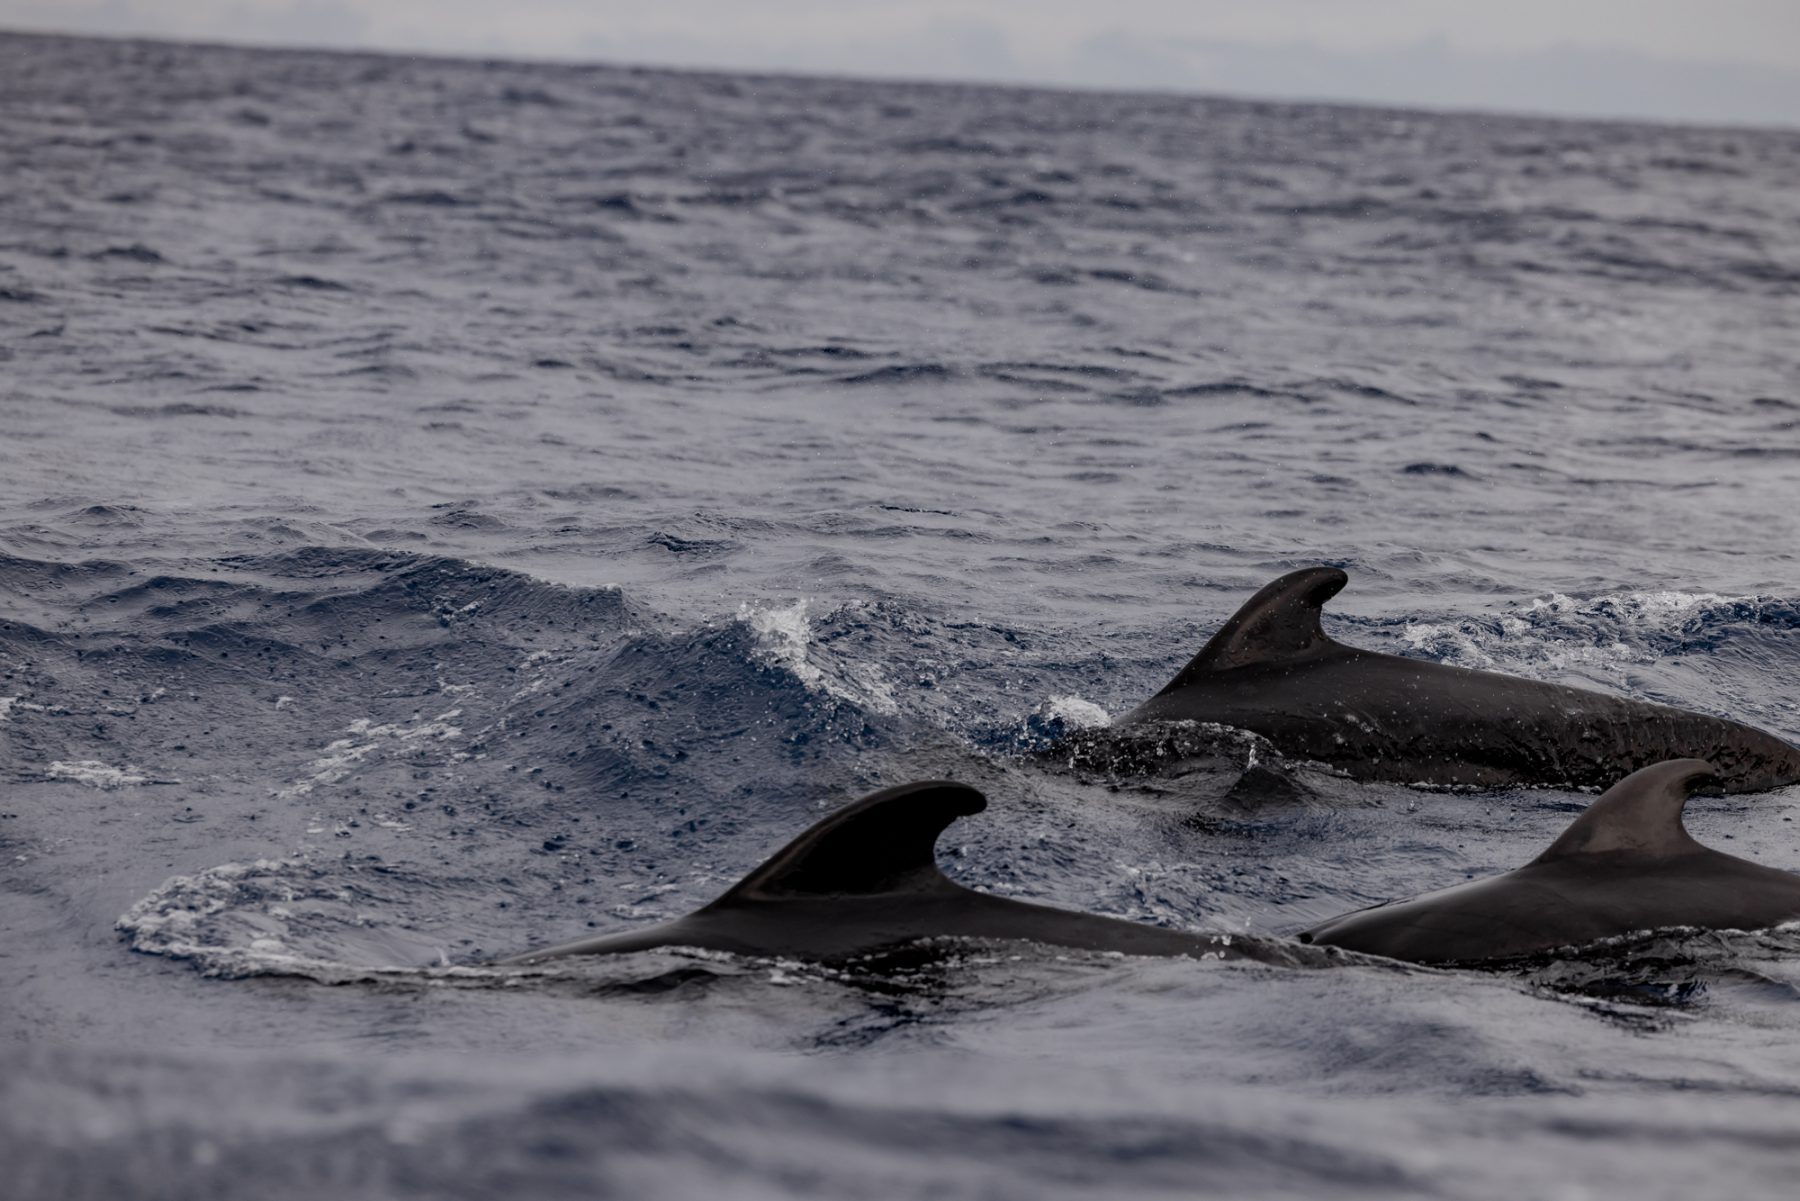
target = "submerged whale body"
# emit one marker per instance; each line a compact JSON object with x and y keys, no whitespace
{"x":865,"y":880}
{"x":1627,"y":864}
{"x":1273,"y":671}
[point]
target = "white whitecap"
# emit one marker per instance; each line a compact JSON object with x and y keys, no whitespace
{"x":96,"y":774}
{"x":784,"y":637}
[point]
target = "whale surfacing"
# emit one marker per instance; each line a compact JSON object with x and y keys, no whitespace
{"x":1627,"y":864}
{"x":1271,"y":669}
{"x":865,"y":879}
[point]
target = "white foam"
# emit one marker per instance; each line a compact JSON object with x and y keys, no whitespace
{"x":276,"y":916}
{"x":173,"y":919}
{"x":96,"y":774}
{"x":1461,"y":642}
{"x":1663,"y":609}
{"x":538,"y":663}
{"x":1076,"y":713}
{"x":9,"y":703}
{"x":1557,"y":633}
{"x":784,"y":637}
{"x":341,"y":757}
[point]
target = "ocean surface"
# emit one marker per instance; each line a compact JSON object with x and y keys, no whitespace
{"x":448,"y":507}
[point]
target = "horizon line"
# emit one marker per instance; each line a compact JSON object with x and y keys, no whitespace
{"x":524,"y":58}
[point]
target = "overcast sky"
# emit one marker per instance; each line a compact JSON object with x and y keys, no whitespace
{"x":1702,"y":60}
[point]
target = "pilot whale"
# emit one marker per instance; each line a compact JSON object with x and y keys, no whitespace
{"x":1626,"y":864}
{"x":865,"y":879}
{"x":1272,"y":670}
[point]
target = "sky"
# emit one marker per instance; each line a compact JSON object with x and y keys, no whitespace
{"x":1731,"y":61}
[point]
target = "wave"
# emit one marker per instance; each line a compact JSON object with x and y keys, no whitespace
{"x":1610,"y":630}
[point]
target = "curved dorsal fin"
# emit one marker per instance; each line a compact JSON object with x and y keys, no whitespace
{"x":886,"y":842}
{"x":1280,"y":622}
{"x":1641,"y":814}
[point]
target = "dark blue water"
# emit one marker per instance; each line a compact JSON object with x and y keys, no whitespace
{"x":449,"y":505}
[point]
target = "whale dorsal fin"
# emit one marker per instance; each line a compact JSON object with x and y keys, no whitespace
{"x":1280,"y":622}
{"x":1640,"y":815}
{"x":886,"y":842}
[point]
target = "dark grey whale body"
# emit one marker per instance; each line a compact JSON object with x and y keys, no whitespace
{"x":1272,"y":670}
{"x":865,"y":880}
{"x":1626,"y":864}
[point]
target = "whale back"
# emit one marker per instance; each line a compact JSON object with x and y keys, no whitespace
{"x":1625,"y":864}
{"x":1272,"y":670}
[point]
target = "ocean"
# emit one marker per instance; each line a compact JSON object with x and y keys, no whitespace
{"x":454,"y":506}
